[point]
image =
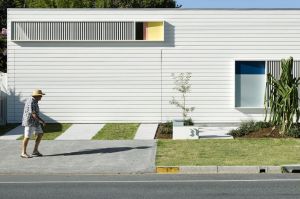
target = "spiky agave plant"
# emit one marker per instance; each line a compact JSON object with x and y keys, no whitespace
{"x":283,"y":99}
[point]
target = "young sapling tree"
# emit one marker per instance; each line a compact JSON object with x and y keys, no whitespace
{"x":182,"y":85}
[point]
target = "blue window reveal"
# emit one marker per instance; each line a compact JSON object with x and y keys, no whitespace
{"x":249,"y":83}
{"x":250,"y":67}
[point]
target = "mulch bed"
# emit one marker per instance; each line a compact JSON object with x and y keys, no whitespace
{"x":265,"y":133}
{"x":162,"y":133}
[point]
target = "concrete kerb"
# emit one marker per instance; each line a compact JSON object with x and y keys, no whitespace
{"x":218,"y":169}
{"x":291,"y":168}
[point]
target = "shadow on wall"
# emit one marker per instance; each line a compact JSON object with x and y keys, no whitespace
{"x":169,"y":42}
{"x":251,"y":110}
{"x":17,"y":101}
{"x":3,"y":99}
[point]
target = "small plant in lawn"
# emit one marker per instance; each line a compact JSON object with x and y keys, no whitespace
{"x":183,"y":86}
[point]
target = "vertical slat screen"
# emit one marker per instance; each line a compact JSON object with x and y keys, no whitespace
{"x":274,"y":68}
{"x":70,"y":31}
{"x":296,"y":70}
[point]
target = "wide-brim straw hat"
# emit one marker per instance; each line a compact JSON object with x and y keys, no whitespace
{"x":37,"y":93}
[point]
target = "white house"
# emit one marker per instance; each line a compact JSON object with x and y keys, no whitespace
{"x":115,"y":65}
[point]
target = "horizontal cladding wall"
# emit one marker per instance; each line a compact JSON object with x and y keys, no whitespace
{"x":98,"y":93}
{"x":131,"y":81}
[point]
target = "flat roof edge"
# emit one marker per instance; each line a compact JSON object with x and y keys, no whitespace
{"x":153,"y":8}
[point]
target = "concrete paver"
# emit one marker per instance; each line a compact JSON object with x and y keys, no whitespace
{"x":13,"y":134}
{"x":215,"y":132}
{"x":146,"y":132}
{"x":194,"y":132}
{"x":80,"y":132}
{"x":80,"y":157}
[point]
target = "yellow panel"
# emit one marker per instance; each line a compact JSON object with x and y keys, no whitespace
{"x":167,"y":170}
{"x":155,"y":31}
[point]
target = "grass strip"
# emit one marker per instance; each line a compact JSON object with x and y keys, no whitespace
{"x":228,"y":152}
{"x":52,"y":131}
{"x":4,"y":129}
{"x":117,"y":131}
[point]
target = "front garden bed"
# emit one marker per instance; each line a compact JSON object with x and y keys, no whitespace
{"x":270,"y":132}
{"x":252,"y":129}
{"x":164,"y":131}
{"x":247,"y":129}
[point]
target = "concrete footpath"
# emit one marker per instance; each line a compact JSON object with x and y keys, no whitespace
{"x":80,"y":157}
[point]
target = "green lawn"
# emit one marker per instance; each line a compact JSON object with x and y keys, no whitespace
{"x":228,"y":152}
{"x":124,"y":131}
{"x":52,"y":131}
{"x":4,"y":129}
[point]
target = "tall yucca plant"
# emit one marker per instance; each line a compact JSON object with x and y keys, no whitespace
{"x":283,"y":100}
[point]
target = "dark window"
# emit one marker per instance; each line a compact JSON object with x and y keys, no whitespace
{"x":139,"y":30}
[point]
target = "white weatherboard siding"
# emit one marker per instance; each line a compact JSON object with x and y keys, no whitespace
{"x":121,"y":81}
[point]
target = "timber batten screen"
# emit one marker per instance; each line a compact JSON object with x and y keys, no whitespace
{"x":81,"y":31}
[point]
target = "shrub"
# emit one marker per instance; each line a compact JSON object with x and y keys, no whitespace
{"x":294,"y":131}
{"x":247,"y":127}
{"x":234,"y":133}
{"x":261,"y":124}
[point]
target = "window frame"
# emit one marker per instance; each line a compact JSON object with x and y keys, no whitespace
{"x":265,"y":77}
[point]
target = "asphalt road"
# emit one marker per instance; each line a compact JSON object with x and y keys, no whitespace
{"x":151,"y":186}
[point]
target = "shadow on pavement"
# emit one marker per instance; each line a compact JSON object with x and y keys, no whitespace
{"x":102,"y":150}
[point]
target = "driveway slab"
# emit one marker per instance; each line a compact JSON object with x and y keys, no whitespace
{"x":80,"y":157}
{"x":146,"y":132}
{"x":80,"y":132}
